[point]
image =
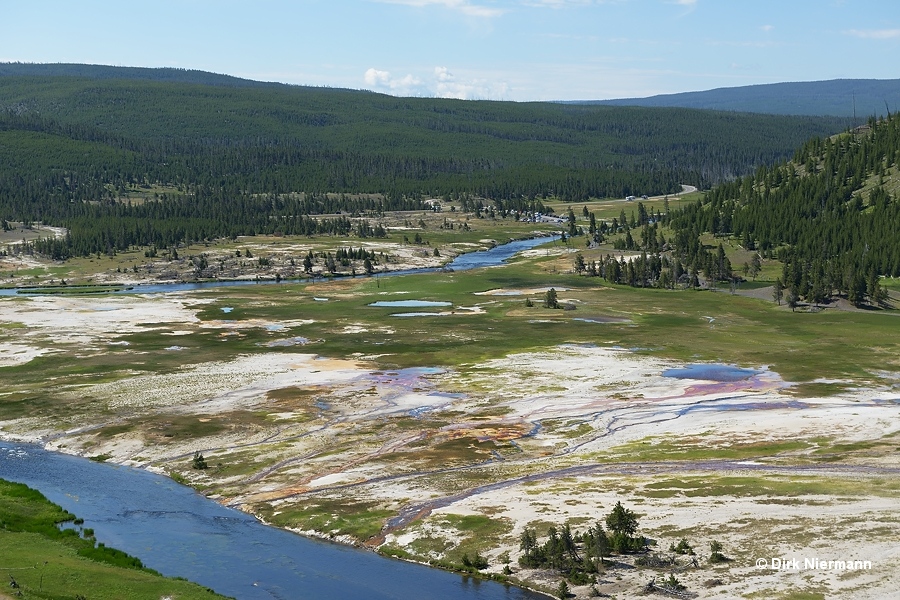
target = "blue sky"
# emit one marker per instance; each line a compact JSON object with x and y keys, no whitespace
{"x":487,"y":49}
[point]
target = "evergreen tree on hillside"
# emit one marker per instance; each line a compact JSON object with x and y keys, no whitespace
{"x":86,"y":156}
{"x":828,"y":216}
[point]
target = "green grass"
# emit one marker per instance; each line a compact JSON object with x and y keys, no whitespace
{"x":610,"y":208}
{"x":674,"y":325}
{"x":360,"y":520}
{"x":831,"y":344}
{"x":668,"y":324}
{"x":700,"y":448}
{"x":780,"y":486}
{"x":568,"y":429}
{"x":81,"y":290}
{"x":476,"y":534}
{"x":240,"y":463}
{"x":32,"y":272}
{"x":428,"y":455}
{"x":51,"y":563}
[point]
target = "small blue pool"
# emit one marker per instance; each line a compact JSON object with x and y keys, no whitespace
{"x":711,"y":372}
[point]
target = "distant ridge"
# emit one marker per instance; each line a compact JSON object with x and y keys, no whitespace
{"x":167,"y":74}
{"x":836,"y":97}
{"x":245,"y":158}
{"x":861,"y":98}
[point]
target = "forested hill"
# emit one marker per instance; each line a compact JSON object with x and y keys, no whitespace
{"x":832,"y":215}
{"x":69,"y":146}
{"x":167,"y":74}
{"x":840,"y":97}
{"x":458,"y":140}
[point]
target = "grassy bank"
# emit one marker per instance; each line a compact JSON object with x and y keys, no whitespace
{"x":46,"y":561}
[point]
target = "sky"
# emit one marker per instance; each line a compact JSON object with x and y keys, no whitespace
{"x":521,"y":50}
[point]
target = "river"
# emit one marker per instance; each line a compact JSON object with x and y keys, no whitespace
{"x":464,"y":262}
{"x":180,"y":533}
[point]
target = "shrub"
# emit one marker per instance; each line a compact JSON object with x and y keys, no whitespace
{"x":477,"y":562}
{"x":715,"y":553}
{"x":683,"y":547}
{"x":199,"y":462}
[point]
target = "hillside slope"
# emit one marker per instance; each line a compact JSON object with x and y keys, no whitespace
{"x":165,"y":74}
{"x":831,"y":215}
{"x":838,"y":97}
{"x":229,"y":159}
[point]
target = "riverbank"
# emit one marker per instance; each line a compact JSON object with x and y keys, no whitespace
{"x":680,"y":484}
{"x":47,"y":552}
{"x":180,"y":533}
{"x":433,"y":244}
{"x":541,"y":589}
{"x":447,"y":434}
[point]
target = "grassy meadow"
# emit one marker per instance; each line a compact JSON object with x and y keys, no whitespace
{"x":698,"y":326}
{"x":271,"y":454}
{"x":685,"y":325}
{"x":46,"y":562}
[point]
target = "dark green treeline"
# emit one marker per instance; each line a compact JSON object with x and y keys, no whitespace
{"x":248,"y":160}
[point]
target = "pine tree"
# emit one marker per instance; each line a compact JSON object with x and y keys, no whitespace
{"x":778,"y":291}
{"x":199,"y":462}
{"x":580,"y":265}
{"x":550,"y":299}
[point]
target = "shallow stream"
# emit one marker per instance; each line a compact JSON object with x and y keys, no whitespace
{"x":178,"y":532}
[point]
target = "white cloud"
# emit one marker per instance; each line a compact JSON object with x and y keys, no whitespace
{"x":441,"y":84}
{"x":447,"y":86}
{"x":374,"y":77}
{"x":874,"y":34}
{"x":442,"y":74}
{"x":767,"y":28}
{"x":465,"y":7}
{"x":409,"y":85}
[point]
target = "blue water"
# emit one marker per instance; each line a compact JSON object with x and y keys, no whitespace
{"x":711,"y":372}
{"x":496,"y":255}
{"x":178,"y":532}
{"x":408,"y":303}
{"x":473,"y":260}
